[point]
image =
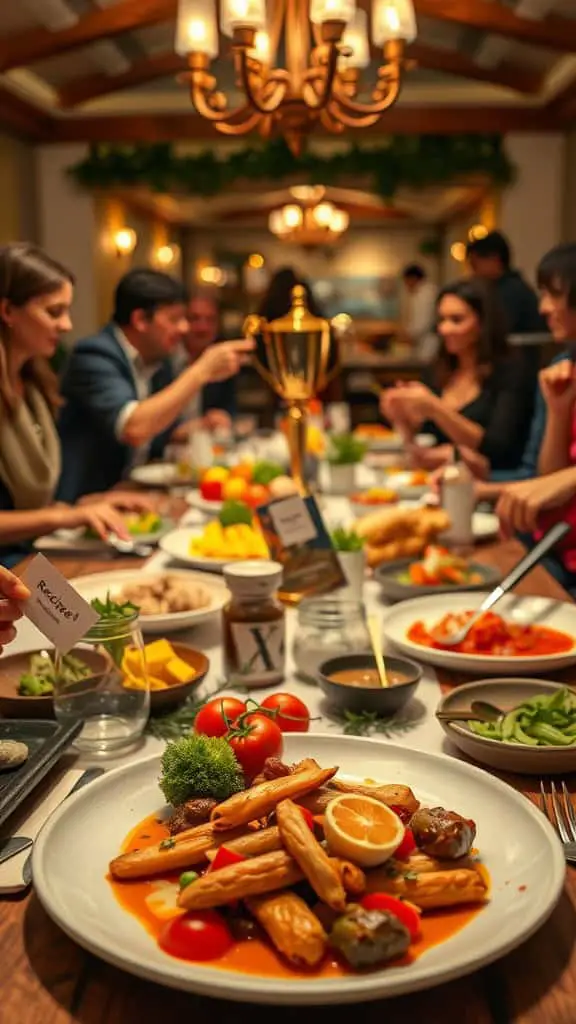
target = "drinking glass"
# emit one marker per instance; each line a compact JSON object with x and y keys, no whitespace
{"x":113,"y":699}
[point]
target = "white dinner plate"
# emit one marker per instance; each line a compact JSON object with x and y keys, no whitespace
{"x":76,"y":541}
{"x":401,"y":482}
{"x":100,"y":584}
{"x":522,"y":610}
{"x":393,"y":442}
{"x":195,"y":500}
{"x":516,"y":843}
{"x":177,"y":545}
{"x":158,"y":474}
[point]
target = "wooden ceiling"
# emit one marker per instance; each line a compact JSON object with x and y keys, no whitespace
{"x":101,"y":70}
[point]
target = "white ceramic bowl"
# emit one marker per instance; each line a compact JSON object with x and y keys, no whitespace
{"x":507,"y":757}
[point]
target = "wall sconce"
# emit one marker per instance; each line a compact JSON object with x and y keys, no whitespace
{"x":458,"y":252}
{"x":477,"y":232}
{"x":124,"y":241}
{"x":166,"y":256}
{"x":213,"y":275}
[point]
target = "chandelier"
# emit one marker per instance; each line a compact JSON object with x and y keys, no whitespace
{"x":326,"y":46}
{"x":311,"y":222}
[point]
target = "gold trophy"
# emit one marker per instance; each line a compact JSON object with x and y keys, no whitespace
{"x":297,"y":349}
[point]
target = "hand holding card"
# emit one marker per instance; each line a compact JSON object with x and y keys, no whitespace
{"x":12,"y":591}
{"x":55,"y":608}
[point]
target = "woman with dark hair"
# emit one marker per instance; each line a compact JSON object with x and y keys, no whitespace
{"x":277,"y":299}
{"x":480,"y":395}
{"x":35,"y":299}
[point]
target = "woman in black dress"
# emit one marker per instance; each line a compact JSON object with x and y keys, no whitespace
{"x":480,"y":395}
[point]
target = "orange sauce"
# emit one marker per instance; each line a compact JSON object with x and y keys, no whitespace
{"x":494,"y":637}
{"x":256,"y":955}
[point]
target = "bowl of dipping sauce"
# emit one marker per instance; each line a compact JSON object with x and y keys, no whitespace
{"x":351,"y":683}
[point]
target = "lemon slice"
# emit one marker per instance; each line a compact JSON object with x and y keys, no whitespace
{"x":362,"y":829}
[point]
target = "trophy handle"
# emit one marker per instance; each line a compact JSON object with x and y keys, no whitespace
{"x":252,"y":326}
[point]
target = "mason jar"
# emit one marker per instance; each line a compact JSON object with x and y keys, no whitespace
{"x":103,"y":684}
{"x":326,"y":628}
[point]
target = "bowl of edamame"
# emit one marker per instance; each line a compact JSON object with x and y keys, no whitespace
{"x":535,"y":734}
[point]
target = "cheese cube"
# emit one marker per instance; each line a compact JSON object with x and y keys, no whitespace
{"x":158,"y":654}
{"x":178,"y":671}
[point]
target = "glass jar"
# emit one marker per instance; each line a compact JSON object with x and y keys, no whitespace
{"x":254,"y":625}
{"x":105,"y":686}
{"x":326,"y":628}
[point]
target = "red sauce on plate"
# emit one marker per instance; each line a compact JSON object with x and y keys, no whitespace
{"x":494,"y":637}
{"x":256,"y":955}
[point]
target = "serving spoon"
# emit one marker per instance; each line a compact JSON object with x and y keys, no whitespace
{"x":376,"y":642}
{"x":479,"y":710}
{"x":520,"y":570}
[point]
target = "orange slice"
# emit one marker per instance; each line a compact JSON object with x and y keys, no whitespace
{"x":362,"y":829}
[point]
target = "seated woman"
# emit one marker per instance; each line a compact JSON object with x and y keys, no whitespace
{"x":481,"y":393}
{"x":35,"y":298}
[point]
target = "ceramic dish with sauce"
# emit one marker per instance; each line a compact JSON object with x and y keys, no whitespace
{"x":101,"y":820}
{"x":350,"y":683}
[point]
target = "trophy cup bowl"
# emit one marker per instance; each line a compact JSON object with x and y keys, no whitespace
{"x":297,"y":350}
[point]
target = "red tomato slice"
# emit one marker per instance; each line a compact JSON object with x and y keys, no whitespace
{"x":215,"y":718}
{"x":224,"y":858}
{"x":407,"y":846}
{"x":308,"y":817}
{"x":202,"y":935}
{"x":403,"y":911}
{"x":211,"y":490}
{"x":292,"y":714}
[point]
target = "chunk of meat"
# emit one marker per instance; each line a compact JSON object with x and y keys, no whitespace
{"x":442,"y":833}
{"x":193,"y":812}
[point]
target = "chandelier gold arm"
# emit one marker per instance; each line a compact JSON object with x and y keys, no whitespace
{"x":385,"y":93}
{"x":265,"y":90}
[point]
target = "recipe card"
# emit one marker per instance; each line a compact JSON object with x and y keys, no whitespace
{"x":55,"y":608}
{"x":297,"y":538}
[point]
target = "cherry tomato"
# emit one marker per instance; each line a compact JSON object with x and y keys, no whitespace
{"x":215,"y":717}
{"x":407,"y":846}
{"x":257,"y":494}
{"x":202,"y":935}
{"x":259,"y":739}
{"x":224,"y":858}
{"x":211,"y":490}
{"x":403,"y":911}
{"x":308,"y":817}
{"x":293,"y":715}
{"x":403,"y":813}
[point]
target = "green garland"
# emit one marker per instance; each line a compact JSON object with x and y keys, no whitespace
{"x":400,"y":160}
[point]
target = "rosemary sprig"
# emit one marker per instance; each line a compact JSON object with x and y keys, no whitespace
{"x":366,"y":723}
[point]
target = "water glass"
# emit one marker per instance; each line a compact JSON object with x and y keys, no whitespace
{"x":112,"y":701}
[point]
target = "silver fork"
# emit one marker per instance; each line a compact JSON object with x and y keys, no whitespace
{"x":560,"y":812}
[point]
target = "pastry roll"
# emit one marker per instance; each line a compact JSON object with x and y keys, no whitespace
{"x":392,"y":795}
{"x":175,"y":852}
{"x":251,"y":877}
{"x":260,"y":800}
{"x":291,"y":926}
{"x":352,"y":877}
{"x":313,"y":860}
{"x":433,"y":889}
{"x":252,"y":844}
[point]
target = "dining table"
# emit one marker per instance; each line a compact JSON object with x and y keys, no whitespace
{"x":45,"y":978}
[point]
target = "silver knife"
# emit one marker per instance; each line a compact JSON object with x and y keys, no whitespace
{"x":12,"y":846}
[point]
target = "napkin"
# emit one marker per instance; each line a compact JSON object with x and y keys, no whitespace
{"x":37,"y":812}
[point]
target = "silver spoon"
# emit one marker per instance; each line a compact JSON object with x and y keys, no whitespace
{"x":480,"y":710}
{"x":518,"y":572}
{"x":129,"y":547}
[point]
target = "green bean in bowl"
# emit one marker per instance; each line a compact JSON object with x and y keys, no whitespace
{"x":541,"y":721}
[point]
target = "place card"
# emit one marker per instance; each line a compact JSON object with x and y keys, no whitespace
{"x":297,"y":538}
{"x":55,"y":608}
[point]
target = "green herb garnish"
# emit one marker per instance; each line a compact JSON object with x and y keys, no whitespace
{"x":168,"y":844}
{"x":346,"y":450}
{"x":113,"y":611}
{"x":365,"y":723}
{"x":199,"y":766}
{"x":346,"y":540}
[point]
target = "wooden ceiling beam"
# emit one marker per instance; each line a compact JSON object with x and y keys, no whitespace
{"x":400,"y":119}
{"x":24,"y":48}
{"x":511,"y":76}
{"x":553,"y":31}
{"x":563,"y":105}
{"x":91,"y":87}
{"x":23,"y":118}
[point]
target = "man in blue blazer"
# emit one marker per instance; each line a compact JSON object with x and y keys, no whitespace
{"x":122,"y":397}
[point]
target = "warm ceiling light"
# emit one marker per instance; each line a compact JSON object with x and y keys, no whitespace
{"x":124,"y":241}
{"x":477,"y":232}
{"x":213,"y":275}
{"x":167,"y":256}
{"x":255,"y":261}
{"x":458,"y":252}
{"x":321,"y":82}
{"x":310,"y":225}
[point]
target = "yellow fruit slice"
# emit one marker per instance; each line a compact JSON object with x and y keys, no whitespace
{"x":362,"y":829}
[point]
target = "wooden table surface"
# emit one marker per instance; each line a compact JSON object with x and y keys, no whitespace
{"x":46,"y":979}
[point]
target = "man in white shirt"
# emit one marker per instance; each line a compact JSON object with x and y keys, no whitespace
{"x":419,"y":305}
{"x":214,"y":406}
{"x":122,"y":398}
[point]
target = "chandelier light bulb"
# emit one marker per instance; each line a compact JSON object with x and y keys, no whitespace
{"x":242,"y":14}
{"x":355,"y":38}
{"x":125,"y":241}
{"x":323,"y":214}
{"x":196,"y":28}
{"x":331,"y":10}
{"x":393,"y":19}
{"x":293,"y":216}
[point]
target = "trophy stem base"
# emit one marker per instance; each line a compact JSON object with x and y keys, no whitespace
{"x":297,"y":437}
